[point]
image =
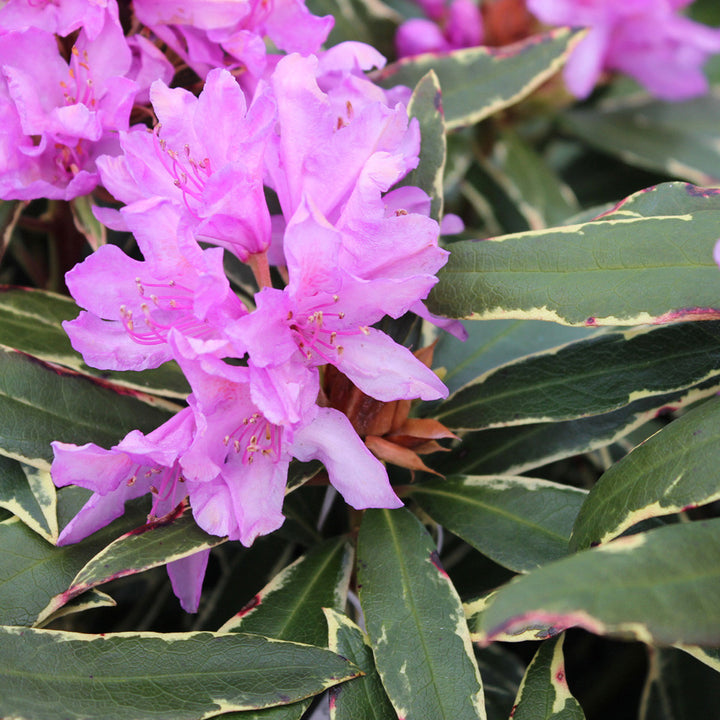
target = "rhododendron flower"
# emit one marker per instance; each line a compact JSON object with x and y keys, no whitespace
{"x":324,"y":155}
{"x":138,"y":465}
{"x":231,"y":34}
{"x":645,"y":39}
{"x":236,"y":466}
{"x":60,"y":18}
{"x":451,"y":26}
{"x":133,"y":305}
{"x":206,"y":157}
{"x":57,"y":118}
{"x":325,"y":312}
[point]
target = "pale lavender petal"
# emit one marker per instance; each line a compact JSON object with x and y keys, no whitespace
{"x":353,"y":470}
{"x":385,"y":370}
{"x":186,"y":576}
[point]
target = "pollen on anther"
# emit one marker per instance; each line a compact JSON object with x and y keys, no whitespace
{"x":131,"y":481}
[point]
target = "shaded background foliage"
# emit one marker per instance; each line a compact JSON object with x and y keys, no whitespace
{"x":515,"y":542}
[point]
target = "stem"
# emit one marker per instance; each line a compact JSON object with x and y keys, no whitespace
{"x":258,"y":263}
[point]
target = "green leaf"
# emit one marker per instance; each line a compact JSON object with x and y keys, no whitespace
{"x":679,"y":139}
{"x":674,"y":470}
{"x":29,"y":494}
{"x":426,"y":105}
{"x":31,"y":321}
{"x":540,"y":195}
{"x":146,"y":547}
{"x":33,"y":571}
{"x":658,"y":587}
{"x":480,"y":81}
{"x":520,"y":523}
{"x":40,"y":403}
{"x":88,"y":601}
{"x":369,"y":21}
{"x":291,"y":606}
{"x":497,"y":342}
{"x":415,"y":621}
{"x":45,"y":674}
{"x":587,"y":377}
{"x":86,"y":222}
{"x":363,"y":698}
{"x":544,"y":692}
{"x":650,"y":260}
{"x":709,"y":656}
{"x":512,"y":450}
{"x":677,"y":687}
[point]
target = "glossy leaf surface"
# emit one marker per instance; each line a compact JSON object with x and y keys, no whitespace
{"x":675,"y":469}
{"x":415,"y":621}
{"x":521,"y":523}
{"x":150,"y":675}
{"x":649,"y":260}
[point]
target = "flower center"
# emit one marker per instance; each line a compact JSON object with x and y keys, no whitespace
{"x":80,"y":88}
{"x":255,"y":435}
{"x":317,"y":333}
{"x":165,"y":482}
{"x":163,"y":306}
{"x":188,"y":173}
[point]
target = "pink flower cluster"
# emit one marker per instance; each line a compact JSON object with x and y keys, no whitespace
{"x":449,"y":26}
{"x":70,"y":74}
{"x":287,"y":162}
{"x":649,"y":40}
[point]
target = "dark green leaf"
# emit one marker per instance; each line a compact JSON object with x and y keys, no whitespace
{"x":363,"y":698}
{"x":29,"y":494}
{"x":497,"y":342}
{"x":480,"y":81}
{"x":520,"y":523}
{"x":513,"y":450}
{"x":415,"y":621}
{"x":40,"y":403}
{"x":290,"y":607}
{"x":660,"y":587}
{"x":678,"y":687}
{"x":149,"y":546}
{"x":46,"y":675}
{"x":33,"y":571}
{"x":588,"y":377}
{"x":679,"y":139}
{"x":544,"y":693}
{"x":675,"y":469}
{"x":541,"y":196}
{"x":651,"y":260}
{"x":426,"y":105}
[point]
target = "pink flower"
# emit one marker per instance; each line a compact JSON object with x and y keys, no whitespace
{"x":329,"y":143}
{"x":205,"y":157}
{"x":231,"y":34}
{"x":645,"y":39}
{"x":138,"y":465}
{"x":325,"y":312}
{"x":449,"y":27}
{"x":58,"y":117}
{"x":132,"y":305}
{"x":60,"y":18}
{"x":236,"y":466}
